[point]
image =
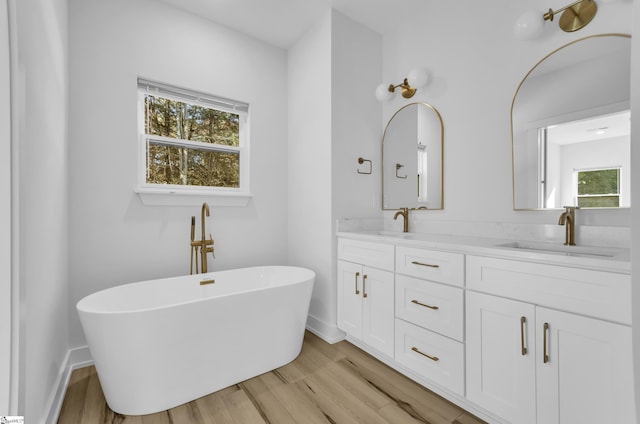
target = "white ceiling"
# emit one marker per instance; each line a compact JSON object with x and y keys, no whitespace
{"x":282,"y":22}
{"x":598,"y":128}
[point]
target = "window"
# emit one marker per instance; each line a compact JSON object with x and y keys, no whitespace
{"x":598,"y":188}
{"x":191,"y":143}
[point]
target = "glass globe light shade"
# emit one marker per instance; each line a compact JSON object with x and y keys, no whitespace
{"x":529,"y":25}
{"x":382,"y":93}
{"x":418,"y":78}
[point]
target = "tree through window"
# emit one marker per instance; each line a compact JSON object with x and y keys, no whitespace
{"x":191,"y":139}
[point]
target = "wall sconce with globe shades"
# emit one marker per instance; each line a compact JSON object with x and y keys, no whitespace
{"x":417,"y":78}
{"x":575,"y":16}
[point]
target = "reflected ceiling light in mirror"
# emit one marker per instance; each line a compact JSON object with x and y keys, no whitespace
{"x":575,"y":16}
{"x":417,"y":78}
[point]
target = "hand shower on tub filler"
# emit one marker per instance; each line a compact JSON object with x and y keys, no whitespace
{"x":200,"y":247}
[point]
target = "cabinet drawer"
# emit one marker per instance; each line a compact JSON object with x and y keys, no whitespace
{"x":430,"y":355}
{"x":598,"y":294}
{"x":377,"y":255}
{"x":434,"y":306}
{"x":444,"y":267}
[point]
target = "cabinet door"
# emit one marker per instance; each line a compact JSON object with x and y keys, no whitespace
{"x":501,"y":356}
{"x":378,"y":304}
{"x":585,"y":373}
{"x":350,"y":298}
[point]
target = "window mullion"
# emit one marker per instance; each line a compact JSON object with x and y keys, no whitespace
{"x":191,"y":144}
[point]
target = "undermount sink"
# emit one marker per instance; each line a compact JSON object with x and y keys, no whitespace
{"x":559,"y":249}
{"x":395,"y":234}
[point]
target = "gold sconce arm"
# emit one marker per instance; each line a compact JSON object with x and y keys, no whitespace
{"x":407,"y":91}
{"x":576,"y":15}
{"x":417,"y":78}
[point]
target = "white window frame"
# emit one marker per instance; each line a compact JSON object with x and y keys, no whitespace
{"x":175,"y":194}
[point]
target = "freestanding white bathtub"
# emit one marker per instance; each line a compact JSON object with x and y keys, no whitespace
{"x":161,"y":343}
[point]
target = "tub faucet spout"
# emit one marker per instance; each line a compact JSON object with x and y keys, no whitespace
{"x":207,"y":245}
{"x":205,"y":210}
{"x":202,"y":246}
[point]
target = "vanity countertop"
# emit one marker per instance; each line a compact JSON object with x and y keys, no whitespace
{"x":588,"y":257}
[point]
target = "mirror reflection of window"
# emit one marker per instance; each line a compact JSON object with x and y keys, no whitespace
{"x":597,"y":188}
{"x":586,"y":162}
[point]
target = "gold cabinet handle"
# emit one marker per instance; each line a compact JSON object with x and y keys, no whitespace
{"x":364,"y":285}
{"x":433,"y":358}
{"x":435,"y":308}
{"x":545,"y":355}
{"x":523,"y":321}
{"x":427,"y":265}
{"x":357,"y":291}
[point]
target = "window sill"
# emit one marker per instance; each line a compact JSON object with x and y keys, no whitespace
{"x":163,"y":197}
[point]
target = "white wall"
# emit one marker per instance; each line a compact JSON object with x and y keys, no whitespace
{"x":114,"y":239}
{"x":41,"y":98}
{"x":356,"y":57}
{"x":635,"y":194}
{"x":5,"y":212}
{"x":332,"y":121}
{"x":477,"y":65}
{"x":309,"y":165}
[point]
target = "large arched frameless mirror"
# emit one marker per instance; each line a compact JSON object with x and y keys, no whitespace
{"x":412,"y":159}
{"x":570,"y":127}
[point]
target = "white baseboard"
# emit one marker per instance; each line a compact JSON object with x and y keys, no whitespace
{"x":330,"y":333}
{"x":74,"y":359}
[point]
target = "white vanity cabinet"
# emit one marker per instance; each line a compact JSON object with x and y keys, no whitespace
{"x":430,"y":315}
{"x":365,"y":292}
{"x":548,"y":344}
{"x":500,"y":356}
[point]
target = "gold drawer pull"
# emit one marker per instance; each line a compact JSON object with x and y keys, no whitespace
{"x":433,"y":358}
{"x":205,"y":282}
{"x":427,"y":265}
{"x":435,"y":308}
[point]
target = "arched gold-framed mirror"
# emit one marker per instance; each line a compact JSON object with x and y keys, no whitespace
{"x":413,"y":159}
{"x":570,"y":127}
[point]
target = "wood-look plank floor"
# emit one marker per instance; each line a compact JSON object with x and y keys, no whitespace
{"x":326,"y":384}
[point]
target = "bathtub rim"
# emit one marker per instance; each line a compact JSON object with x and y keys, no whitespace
{"x":80,"y":310}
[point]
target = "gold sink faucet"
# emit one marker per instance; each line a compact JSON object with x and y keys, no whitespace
{"x":568,"y":219}
{"x":202,"y":246}
{"x":404,"y":212}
